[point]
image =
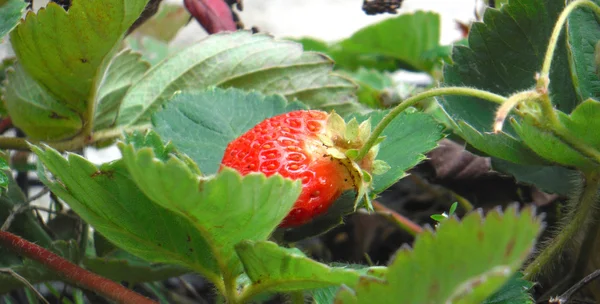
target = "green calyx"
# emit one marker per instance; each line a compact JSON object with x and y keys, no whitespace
{"x":343,"y":141}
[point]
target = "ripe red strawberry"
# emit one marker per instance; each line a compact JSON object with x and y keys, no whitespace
{"x":300,"y":145}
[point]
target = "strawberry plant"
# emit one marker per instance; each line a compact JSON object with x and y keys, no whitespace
{"x":239,"y":150}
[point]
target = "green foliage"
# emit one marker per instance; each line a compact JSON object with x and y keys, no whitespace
{"x":165,"y":24}
{"x":108,"y":199}
{"x":67,"y":53}
{"x":10,"y":13}
{"x":404,"y":38}
{"x":124,"y":70}
{"x":462,"y":262}
{"x":551,"y":179}
{"x":581,"y":123}
{"x":408,"y":138}
{"x":171,"y":202}
{"x":583,"y":32}
{"x":515,"y":291}
{"x":130,"y":269}
{"x":35,"y":111}
{"x":500,"y":61}
{"x":334,"y":216}
{"x":444,"y":216}
{"x":494,"y":44}
{"x":225,"y":209}
{"x":4,"y":175}
{"x":245,"y":61}
{"x":396,"y":42}
{"x":276,"y":269}
{"x":34,"y":272}
{"x":24,"y":224}
{"x":201,"y":124}
{"x":373,"y":88}
{"x":165,"y":208}
{"x":152,"y":50}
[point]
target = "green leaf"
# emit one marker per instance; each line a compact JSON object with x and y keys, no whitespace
{"x":163,"y":152}
{"x":202,"y":124}
{"x":551,"y":179}
{"x":152,"y":50}
{"x":583,"y":33}
{"x":503,"y":55}
{"x":408,"y":137}
{"x":225,"y":208}
{"x":348,"y":60}
{"x":24,"y":224}
{"x":121,"y":266}
{"x":327,"y":295}
{"x":67,"y":53}
{"x":107,"y":198}
{"x":4,"y":173}
{"x":405,"y":38}
{"x":373,"y":86}
{"x":165,"y":24}
{"x":462,"y":262}
{"x":453,"y":208}
{"x":515,"y":291}
{"x":36,"y":112}
{"x":124,"y":70}
{"x":10,"y":13}
{"x":242,"y":60}
{"x":333,"y":217}
{"x":152,"y":140}
{"x":438,"y":217}
{"x":102,"y":246}
{"x":579,"y":124}
{"x":276,"y":269}
{"x":503,"y":145}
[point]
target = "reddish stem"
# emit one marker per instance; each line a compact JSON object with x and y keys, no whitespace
{"x":408,"y":225}
{"x":72,"y":272}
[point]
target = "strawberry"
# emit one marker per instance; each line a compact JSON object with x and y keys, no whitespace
{"x":309,"y":145}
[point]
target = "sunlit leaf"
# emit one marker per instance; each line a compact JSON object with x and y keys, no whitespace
{"x":225,"y":209}
{"x":67,"y":53}
{"x":462,"y":262}
{"x":124,"y":70}
{"x":241,"y":60}
{"x":35,"y":111}
{"x":10,"y":13}
{"x":202,"y":124}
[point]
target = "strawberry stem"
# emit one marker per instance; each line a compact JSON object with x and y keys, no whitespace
{"x":415,"y":99}
{"x":72,"y":272}
{"x":544,"y":78}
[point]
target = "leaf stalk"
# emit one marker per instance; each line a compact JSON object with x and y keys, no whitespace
{"x":411,"y":101}
{"x":544,"y":76}
{"x":579,"y":218}
{"x":71,"y":272}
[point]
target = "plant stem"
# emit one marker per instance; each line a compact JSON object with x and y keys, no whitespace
{"x":72,"y":272}
{"x":231,"y":293}
{"x":463,"y":202}
{"x":404,"y":223}
{"x":249,"y":292}
{"x":564,"y":298}
{"x":544,"y":76}
{"x":25,"y":282}
{"x":510,"y":103}
{"x":577,"y":221}
{"x":416,"y":98}
{"x":78,"y":142}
